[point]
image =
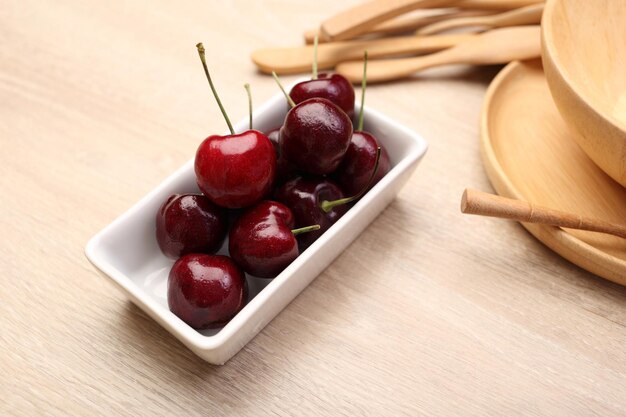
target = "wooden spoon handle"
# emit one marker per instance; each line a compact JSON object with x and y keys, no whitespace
{"x":496,"y":4}
{"x":523,"y":16}
{"x":484,"y":204}
{"x":406,"y":23}
{"x":361,"y":18}
{"x":496,"y":46}
{"x":300,"y":59}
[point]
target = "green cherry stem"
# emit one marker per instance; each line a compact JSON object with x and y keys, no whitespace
{"x":306,"y":229}
{"x":289,"y":99}
{"x":247,"y":87}
{"x":208,"y":77}
{"x":314,"y":72}
{"x":363,"y":86}
{"x":329,"y":205}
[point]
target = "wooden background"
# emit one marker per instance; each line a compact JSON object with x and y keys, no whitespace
{"x":428,"y":312}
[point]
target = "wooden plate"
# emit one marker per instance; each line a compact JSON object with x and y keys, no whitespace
{"x":529,"y":154}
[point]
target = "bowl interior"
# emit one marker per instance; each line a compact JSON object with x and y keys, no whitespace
{"x":128,"y":246}
{"x":587,"y":41}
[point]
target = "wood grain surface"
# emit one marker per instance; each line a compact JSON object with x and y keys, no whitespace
{"x":429,"y":312}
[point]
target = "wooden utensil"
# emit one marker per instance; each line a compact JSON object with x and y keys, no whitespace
{"x":523,"y":16}
{"x":529,"y":155}
{"x":496,"y":46}
{"x":361,"y":18}
{"x":406,"y":23}
{"x":299,"y":59}
{"x":496,"y":4}
{"x":584,"y":57}
{"x":484,"y":204}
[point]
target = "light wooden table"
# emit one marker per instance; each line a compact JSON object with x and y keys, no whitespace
{"x":428,"y":312}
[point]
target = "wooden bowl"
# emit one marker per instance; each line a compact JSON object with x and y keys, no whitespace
{"x":584,"y":58}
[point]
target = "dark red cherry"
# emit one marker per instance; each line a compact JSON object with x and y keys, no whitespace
{"x":285,"y":170}
{"x":304,"y":197}
{"x":235,"y":170}
{"x":206,"y":291}
{"x":333,"y":87}
{"x":262,"y":241}
{"x":274,"y":137}
{"x":356,"y":168}
{"x":190,"y":223}
{"x":315,"y":136}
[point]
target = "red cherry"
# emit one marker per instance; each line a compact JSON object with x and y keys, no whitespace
{"x":357,"y":166}
{"x":333,"y":87}
{"x":284,"y":169}
{"x":190,"y":223}
{"x":304,"y":196}
{"x":262,"y":241}
{"x":315,"y":136}
{"x":364,"y":155}
{"x":206,"y":291}
{"x":235,"y":170}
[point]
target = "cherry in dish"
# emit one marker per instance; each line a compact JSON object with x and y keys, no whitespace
{"x":357,"y":166}
{"x":285,"y":170}
{"x":234,"y":170}
{"x":304,"y":196}
{"x":333,"y":87}
{"x":190,"y":223}
{"x":206,"y":291}
{"x":355,"y":171}
{"x":315,"y":136}
{"x":262,"y":241}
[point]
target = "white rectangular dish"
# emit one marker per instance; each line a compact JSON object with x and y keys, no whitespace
{"x":127,"y":253}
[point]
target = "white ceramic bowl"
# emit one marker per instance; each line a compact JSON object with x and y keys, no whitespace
{"x":126,"y":250}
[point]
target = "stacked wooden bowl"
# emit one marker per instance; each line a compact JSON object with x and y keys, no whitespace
{"x":532,"y":126}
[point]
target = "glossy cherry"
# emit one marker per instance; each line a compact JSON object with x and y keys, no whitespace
{"x":262,"y":241}
{"x":234,"y":170}
{"x":304,"y":196}
{"x":357,"y":166}
{"x":190,"y":223}
{"x":206,"y":291}
{"x":315,"y":136}
{"x":333,"y":87}
{"x":355,"y":172}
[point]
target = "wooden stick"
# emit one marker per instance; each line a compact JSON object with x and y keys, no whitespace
{"x":298,"y":59}
{"x":496,"y":46}
{"x":484,"y":204}
{"x":359,"y":19}
{"x":528,"y":15}
{"x":407,"y":23}
{"x":363,"y":17}
{"x":496,"y":4}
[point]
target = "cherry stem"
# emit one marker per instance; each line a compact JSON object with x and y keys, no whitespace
{"x":208,"y":77}
{"x":289,"y":99}
{"x":314,"y":75}
{"x":247,"y":87}
{"x":305,"y":229}
{"x":363,"y":86}
{"x":329,"y":205}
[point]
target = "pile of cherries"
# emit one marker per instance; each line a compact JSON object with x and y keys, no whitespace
{"x":274,"y":193}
